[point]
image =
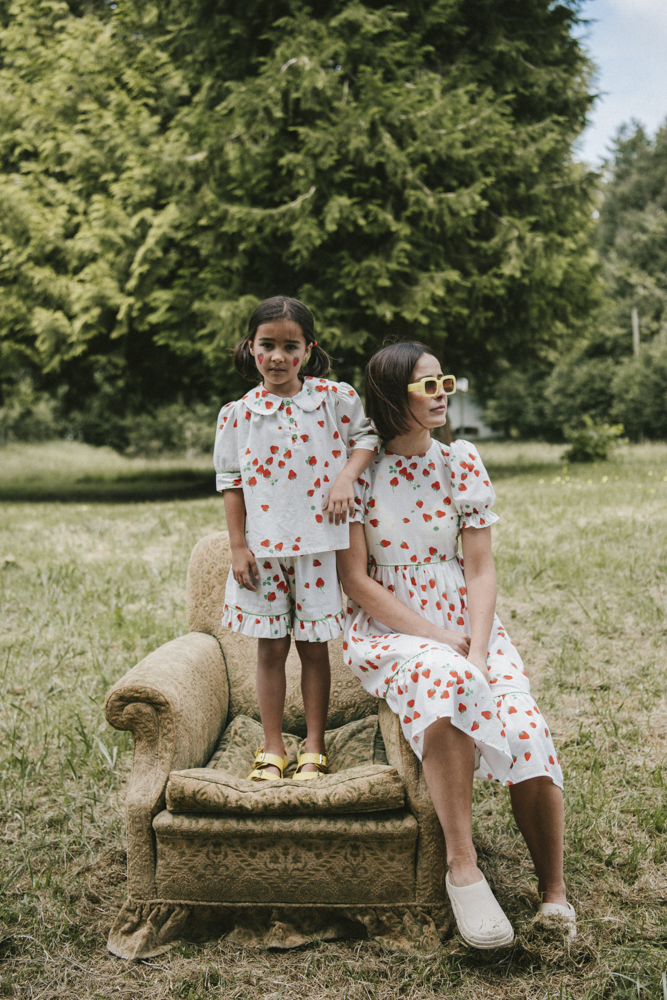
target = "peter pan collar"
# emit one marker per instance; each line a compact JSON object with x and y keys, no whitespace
{"x":309,"y":398}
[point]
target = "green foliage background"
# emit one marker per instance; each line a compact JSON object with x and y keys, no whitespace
{"x":406,"y":170}
{"x":599,"y":376}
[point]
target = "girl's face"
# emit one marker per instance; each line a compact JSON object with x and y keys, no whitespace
{"x":427,"y":411}
{"x":279,"y":349}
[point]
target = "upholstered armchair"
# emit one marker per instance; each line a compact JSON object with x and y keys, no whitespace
{"x":357,"y":852}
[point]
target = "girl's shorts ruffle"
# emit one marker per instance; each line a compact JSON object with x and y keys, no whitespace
{"x":279,"y":625}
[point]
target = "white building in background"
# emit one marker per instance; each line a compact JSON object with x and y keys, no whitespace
{"x":465,"y":414}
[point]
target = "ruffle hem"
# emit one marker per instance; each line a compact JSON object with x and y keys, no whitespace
{"x":278,"y":626}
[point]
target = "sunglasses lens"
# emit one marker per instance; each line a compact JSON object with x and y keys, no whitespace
{"x":448,"y":384}
{"x":430,"y":386}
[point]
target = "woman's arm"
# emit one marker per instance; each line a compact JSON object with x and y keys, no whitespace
{"x":380,"y":604}
{"x":244,"y":567}
{"x":480,"y":577}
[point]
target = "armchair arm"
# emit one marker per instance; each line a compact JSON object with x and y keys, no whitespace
{"x":175,"y":704}
{"x":430,"y":873}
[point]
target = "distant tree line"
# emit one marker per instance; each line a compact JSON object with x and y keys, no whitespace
{"x":407,"y":170}
{"x":602,"y":375}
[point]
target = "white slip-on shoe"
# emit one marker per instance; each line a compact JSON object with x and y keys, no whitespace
{"x":478,"y":915}
{"x":566,"y":913}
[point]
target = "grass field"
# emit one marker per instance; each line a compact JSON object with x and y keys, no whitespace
{"x":69,"y":471}
{"x":88,"y":588}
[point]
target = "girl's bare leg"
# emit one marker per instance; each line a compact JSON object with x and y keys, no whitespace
{"x":538,"y":810}
{"x":448,"y":759}
{"x":271,"y":684}
{"x":315,"y":687}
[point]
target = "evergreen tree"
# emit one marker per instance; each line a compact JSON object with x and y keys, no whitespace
{"x":632,"y":239}
{"x":406,"y":171}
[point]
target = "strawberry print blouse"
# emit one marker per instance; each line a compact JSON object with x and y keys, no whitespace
{"x":286,"y":454}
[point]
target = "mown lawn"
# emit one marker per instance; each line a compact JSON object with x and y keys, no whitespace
{"x":88,"y":588}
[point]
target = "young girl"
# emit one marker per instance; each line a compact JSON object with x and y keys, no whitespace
{"x":286,"y":456}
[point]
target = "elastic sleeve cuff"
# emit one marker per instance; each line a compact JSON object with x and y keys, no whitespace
{"x":475,"y":520}
{"x":356,"y":515}
{"x":228,"y":481}
{"x":371,"y":442}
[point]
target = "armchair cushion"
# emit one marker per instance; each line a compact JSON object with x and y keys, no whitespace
{"x":359,"y":742}
{"x":359,"y":779}
{"x":369,"y":788}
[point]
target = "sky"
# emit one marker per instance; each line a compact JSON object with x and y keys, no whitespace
{"x":628,"y":41}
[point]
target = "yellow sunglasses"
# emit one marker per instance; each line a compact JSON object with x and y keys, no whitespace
{"x":429,"y":385}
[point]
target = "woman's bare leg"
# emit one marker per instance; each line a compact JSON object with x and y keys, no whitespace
{"x":538,"y":810}
{"x":315,"y":688}
{"x":448,"y":759}
{"x":271,"y":686}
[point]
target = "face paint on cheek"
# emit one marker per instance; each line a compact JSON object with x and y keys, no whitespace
{"x":296,"y":362}
{"x":260,"y":358}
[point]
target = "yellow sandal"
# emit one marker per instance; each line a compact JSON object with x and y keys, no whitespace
{"x":263,"y":760}
{"x":319,"y":759}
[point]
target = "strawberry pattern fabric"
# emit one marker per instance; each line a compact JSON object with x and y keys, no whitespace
{"x":286,"y":454}
{"x":294,"y":593}
{"x":414,"y":509}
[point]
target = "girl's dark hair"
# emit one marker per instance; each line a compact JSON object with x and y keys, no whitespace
{"x":274,"y":310}
{"x":388,"y":375}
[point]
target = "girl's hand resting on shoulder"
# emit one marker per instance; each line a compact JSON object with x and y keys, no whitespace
{"x":244,"y":568}
{"x":340,"y":501}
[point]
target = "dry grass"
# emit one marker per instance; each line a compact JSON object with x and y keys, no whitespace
{"x":583,"y":575}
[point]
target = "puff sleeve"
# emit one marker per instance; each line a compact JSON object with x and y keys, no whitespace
{"x":226,"y":450}
{"x":354,"y":426}
{"x":362,"y":498}
{"x":472,"y":491}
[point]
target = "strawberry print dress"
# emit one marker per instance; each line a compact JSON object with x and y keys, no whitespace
{"x":414,"y":509}
{"x":285,"y":453}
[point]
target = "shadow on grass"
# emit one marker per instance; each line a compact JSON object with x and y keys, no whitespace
{"x":131,"y":487}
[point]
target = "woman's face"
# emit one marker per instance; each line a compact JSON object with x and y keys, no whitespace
{"x":427,"y":411}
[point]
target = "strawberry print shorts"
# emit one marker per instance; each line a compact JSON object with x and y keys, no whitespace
{"x":299,"y":594}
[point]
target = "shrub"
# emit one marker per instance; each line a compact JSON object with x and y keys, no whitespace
{"x":29,"y":415}
{"x":640,"y":394}
{"x":175,"y":427}
{"x":592,"y":442}
{"x":582,"y":386}
{"x":517,"y":405}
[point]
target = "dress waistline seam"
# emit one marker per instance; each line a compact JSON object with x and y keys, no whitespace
{"x":415,"y":564}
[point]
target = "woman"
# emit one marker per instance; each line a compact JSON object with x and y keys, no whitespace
{"x":422,"y":633}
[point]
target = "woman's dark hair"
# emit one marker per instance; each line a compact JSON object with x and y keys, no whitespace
{"x":388,"y":375}
{"x":273,"y":311}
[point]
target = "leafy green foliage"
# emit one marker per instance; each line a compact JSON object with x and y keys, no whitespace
{"x":404,"y":171}
{"x":640,"y":393}
{"x":532,"y":403}
{"x":632,"y":238}
{"x":601,"y":377}
{"x":27,"y":415}
{"x":592,"y":442}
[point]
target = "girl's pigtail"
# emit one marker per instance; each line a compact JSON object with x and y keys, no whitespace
{"x":318,"y":364}
{"x":244,"y":361}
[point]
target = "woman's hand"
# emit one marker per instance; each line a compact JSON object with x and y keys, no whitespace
{"x":340,"y":501}
{"x":244,"y":567}
{"x":478,"y":659}
{"x":458,"y":641}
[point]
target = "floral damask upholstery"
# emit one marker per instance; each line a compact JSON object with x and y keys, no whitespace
{"x":358,"y":851}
